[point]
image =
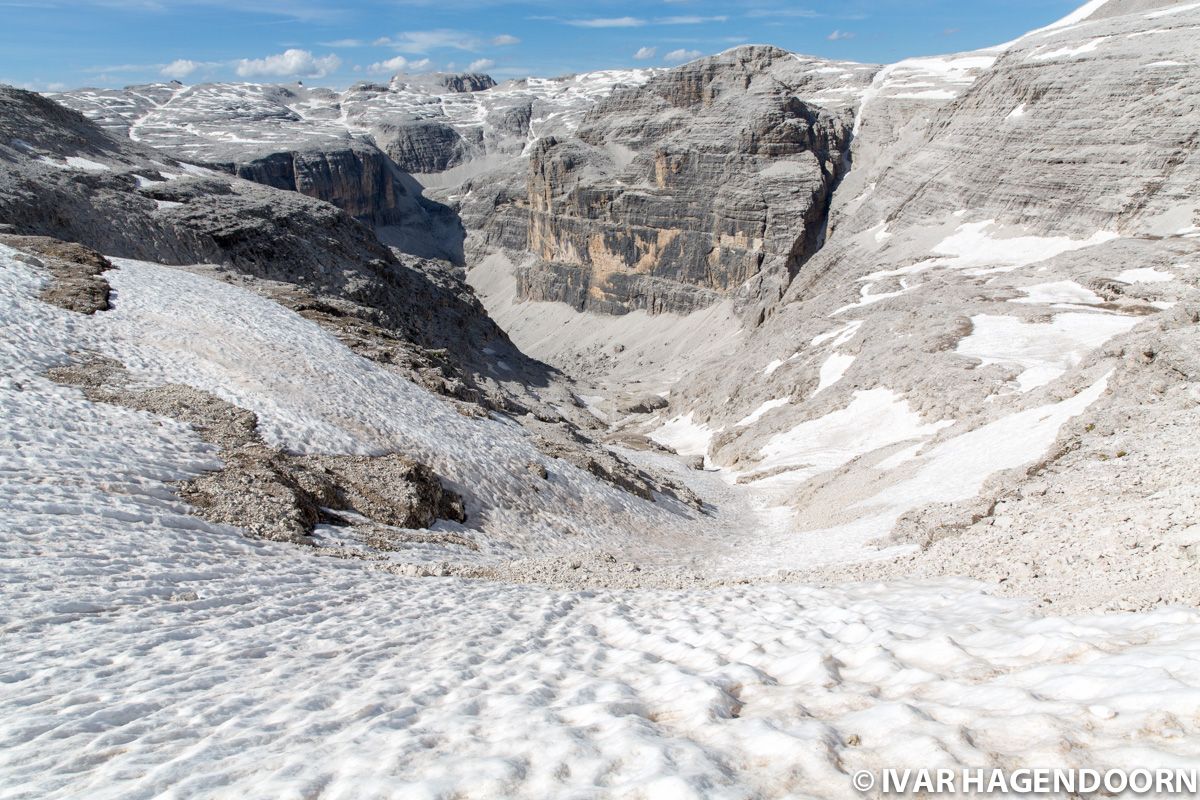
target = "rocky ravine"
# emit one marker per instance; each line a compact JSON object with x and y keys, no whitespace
{"x":842,"y":286}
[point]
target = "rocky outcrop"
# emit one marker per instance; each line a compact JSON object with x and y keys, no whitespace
{"x":263,"y":490}
{"x":76,"y":283}
{"x":456,"y":82}
{"x":712,"y":179}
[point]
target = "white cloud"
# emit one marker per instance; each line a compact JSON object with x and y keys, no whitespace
{"x":180,"y":68}
{"x":638,"y":22}
{"x":680,"y":56}
{"x":344,"y":43}
{"x":608,"y":22}
{"x":399,"y":64}
{"x":837,"y":36}
{"x":688,"y":20}
{"x":480,"y":64}
{"x":505,"y":39}
{"x":759,"y":13}
{"x":424,"y":41}
{"x":289,"y":63}
{"x":644,"y":53}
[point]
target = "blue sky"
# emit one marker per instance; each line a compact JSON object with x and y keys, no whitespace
{"x":54,"y":45}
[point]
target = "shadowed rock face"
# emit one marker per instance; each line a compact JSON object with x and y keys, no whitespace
{"x":366,"y":184}
{"x":287,"y":137}
{"x":710,"y":179}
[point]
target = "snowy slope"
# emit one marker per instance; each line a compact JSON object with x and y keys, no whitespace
{"x":145,"y":652}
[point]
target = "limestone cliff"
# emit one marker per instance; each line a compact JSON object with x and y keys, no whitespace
{"x":711,"y":179}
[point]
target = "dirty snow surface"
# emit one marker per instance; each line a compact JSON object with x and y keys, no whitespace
{"x":147,"y":653}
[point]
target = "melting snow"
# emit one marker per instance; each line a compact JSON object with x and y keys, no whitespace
{"x":684,"y":436}
{"x":1058,"y":292}
{"x":929,"y":94}
{"x":149,"y":653}
{"x":1076,"y":16}
{"x":976,"y":244}
{"x":1145,"y":275}
{"x":1172,"y":10}
{"x":874,"y":418}
{"x":757,"y":413}
{"x":832,"y":370}
{"x":839,"y":336}
{"x":957,"y":468}
{"x":1045,"y":350}
{"x":1069,"y":52}
{"x":76,"y":162}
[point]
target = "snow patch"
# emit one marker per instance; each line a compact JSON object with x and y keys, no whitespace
{"x":684,"y":436}
{"x":839,"y":336}
{"x":1044,"y":350}
{"x":1058,"y":292}
{"x":875,"y":418}
{"x":1069,"y":52}
{"x":76,"y":162}
{"x":1145,"y":275}
{"x":1172,"y":10}
{"x":980,"y":244}
{"x":957,"y":468}
{"x":757,"y":414}
{"x":832,"y":371}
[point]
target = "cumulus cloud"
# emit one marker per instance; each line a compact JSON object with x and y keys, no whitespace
{"x":644,"y":53}
{"x":180,"y":68}
{"x":838,"y":36}
{"x":480,"y":64}
{"x":399,"y":64}
{"x":680,"y":56}
{"x":290,"y":63}
{"x":505,"y":39}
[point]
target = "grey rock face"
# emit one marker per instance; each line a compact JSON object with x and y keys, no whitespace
{"x":683,"y":190}
{"x":421,"y":145}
